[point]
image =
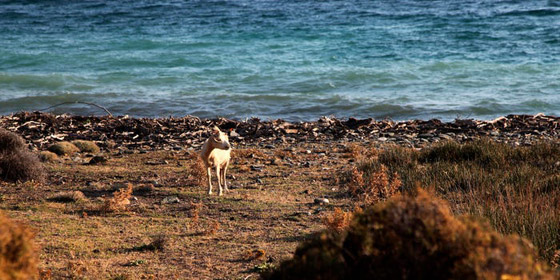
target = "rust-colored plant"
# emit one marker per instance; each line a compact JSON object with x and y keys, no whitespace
{"x":119,"y":201}
{"x":338,"y":220}
{"x":18,"y":254}
{"x":196,"y":170}
{"x":373,"y":187}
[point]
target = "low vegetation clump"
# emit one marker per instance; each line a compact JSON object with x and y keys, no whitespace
{"x":47,"y":156}
{"x":517,"y":189}
{"x":413,"y":237}
{"x":17,"y":163}
{"x":338,"y":220}
{"x":371,"y":185}
{"x":70,"y":196}
{"x":64,"y":148}
{"x":119,"y":201}
{"x":196,"y":171}
{"x":86,"y":146}
{"x":18,"y":256}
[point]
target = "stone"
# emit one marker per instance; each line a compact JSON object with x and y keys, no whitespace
{"x":321,"y":200}
{"x":170,"y":200}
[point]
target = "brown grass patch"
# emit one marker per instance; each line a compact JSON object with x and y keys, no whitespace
{"x":17,"y":163}
{"x":372,"y":185}
{"x":338,"y":220}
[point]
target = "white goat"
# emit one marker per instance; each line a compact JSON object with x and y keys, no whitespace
{"x":216,"y":153}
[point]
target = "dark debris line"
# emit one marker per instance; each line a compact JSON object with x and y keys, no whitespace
{"x":42,"y":129}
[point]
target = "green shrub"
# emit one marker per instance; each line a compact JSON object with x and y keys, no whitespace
{"x":86,"y":146}
{"x":64,"y":148}
{"x":413,"y":238}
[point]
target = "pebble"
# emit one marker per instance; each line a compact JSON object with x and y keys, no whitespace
{"x":170,"y":199}
{"x":321,"y":200}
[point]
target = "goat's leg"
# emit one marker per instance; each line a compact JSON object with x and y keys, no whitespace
{"x":224,"y":173}
{"x":209,"y":180}
{"x":219,"y":183}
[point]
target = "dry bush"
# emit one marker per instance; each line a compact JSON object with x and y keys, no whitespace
{"x":47,"y":156}
{"x":86,"y":146}
{"x":374,"y":185}
{"x":119,"y":201}
{"x":195,"y":215}
{"x":196,"y":172}
{"x":338,"y":220}
{"x":413,"y":238}
{"x":20,"y":166}
{"x":10,"y":141}
{"x":18,"y":254}
{"x":70,"y":196}
{"x":64,"y":148}
{"x":17,"y":163}
{"x":255,"y":254}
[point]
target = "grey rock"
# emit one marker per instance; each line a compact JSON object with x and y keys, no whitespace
{"x":170,"y":200}
{"x":321,"y":200}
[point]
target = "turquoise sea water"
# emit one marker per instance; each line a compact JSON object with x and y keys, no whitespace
{"x":291,"y":59}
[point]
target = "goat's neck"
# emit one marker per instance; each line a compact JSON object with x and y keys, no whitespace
{"x":208,"y":149}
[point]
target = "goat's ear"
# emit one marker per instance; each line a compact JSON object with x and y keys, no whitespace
{"x":215,"y":130}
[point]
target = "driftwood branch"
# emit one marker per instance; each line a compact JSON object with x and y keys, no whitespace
{"x":78,"y":102}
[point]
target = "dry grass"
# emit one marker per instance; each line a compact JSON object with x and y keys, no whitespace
{"x":371,"y":184}
{"x":413,"y":238}
{"x":64,"y":148}
{"x":515,"y":188}
{"x":18,"y":257}
{"x":119,"y":201}
{"x":86,"y":146}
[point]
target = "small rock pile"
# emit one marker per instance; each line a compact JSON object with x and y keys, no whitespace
{"x":42,"y":129}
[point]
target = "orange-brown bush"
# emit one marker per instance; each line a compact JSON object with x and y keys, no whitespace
{"x":338,"y":220}
{"x":17,"y":163}
{"x":196,"y":170}
{"x":372,"y":185}
{"x":119,"y":201}
{"x":18,"y":257}
{"x":413,"y":238}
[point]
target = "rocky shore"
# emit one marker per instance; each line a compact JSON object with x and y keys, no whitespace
{"x":43,"y":129}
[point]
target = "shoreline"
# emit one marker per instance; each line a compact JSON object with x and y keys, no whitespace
{"x":42,"y":129}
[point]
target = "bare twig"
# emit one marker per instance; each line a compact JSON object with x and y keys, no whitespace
{"x":78,"y":102}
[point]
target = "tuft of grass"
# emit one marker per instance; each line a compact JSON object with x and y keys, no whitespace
{"x":71,"y":196}
{"x":18,"y":254}
{"x":517,"y":189}
{"x":413,"y":237}
{"x":47,"y":156}
{"x":86,"y":146}
{"x":119,"y":201}
{"x":64,"y":148}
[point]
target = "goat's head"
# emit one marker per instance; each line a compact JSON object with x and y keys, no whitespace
{"x":219,"y":140}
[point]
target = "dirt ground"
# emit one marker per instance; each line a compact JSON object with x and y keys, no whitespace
{"x":269,"y":210}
